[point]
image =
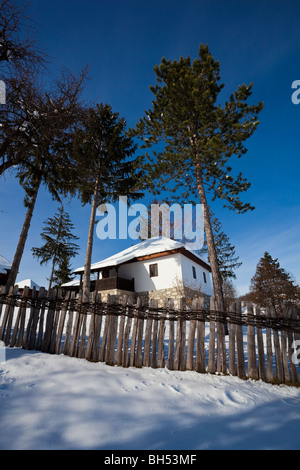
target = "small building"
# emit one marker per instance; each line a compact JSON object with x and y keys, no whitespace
{"x":157,"y":268}
{"x":27,"y":283}
{"x":5,"y":267}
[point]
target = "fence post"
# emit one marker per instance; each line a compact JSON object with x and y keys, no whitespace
{"x":125,"y":357}
{"x":191,"y":338}
{"x":251,"y":350}
{"x":2,"y":294}
{"x":240,"y":343}
{"x":120,"y":345}
{"x":20,"y":320}
{"x":153,"y":362}
{"x":8,"y":314}
{"x":200,"y":344}
{"x":278,"y":355}
{"x":170,"y":362}
{"x":232,"y":339}
{"x":66,"y":346}
{"x":161,"y":337}
{"x":140,"y":333}
{"x":260,"y":345}
{"x":62,"y":321}
{"x":211,"y":368}
{"x":294,"y":374}
{"x":111,"y":334}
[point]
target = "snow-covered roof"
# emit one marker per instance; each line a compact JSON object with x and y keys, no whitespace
{"x":145,"y":248}
{"x":5,"y":265}
{"x":76,"y":282}
{"x":27,"y":283}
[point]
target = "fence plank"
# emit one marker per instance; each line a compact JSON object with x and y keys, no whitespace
{"x":65,"y":306}
{"x":153,"y":362}
{"x":8,"y":312}
{"x":2,"y":298}
{"x":140,"y":335}
{"x":125,"y":358}
{"x":240,"y":344}
{"x":211,"y":368}
{"x":260,"y":345}
{"x":170,"y":361}
{"x":232,"y":342}
{"x":251,"y":349}
{"x":161,"y":337}
{"x":120,"y":345}
{"x":67,"y":342}
{"x":20,"y":320}
{"x":277,"y":350}
{"x":191,"y":339}
{"x":111,"y":337}
{"x":200,"y":344}
{"x":49,"y":322}
{"x":269,"y":370}
{"x":148,"y":333}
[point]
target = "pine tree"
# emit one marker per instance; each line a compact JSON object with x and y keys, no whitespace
{"x":40,"y":147}
{"x":106,"y":166}
{"x":64,"y":272}
{"x":59,"y":246}
{"x":192,"y":138}
{"x":228,"y":261}
{"x":272,"y":286}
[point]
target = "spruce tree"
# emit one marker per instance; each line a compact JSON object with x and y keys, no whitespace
{"x":59,"y":246}
{"x":107,"y":168}
{"x":272,"y":286}
{"x":64,"y":272}
{"x":192,"y":137}
{"x":228,"y":261}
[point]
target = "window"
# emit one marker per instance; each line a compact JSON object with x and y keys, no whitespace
{"x":153,"y":270}
{"x":204,"y":277}
{"x":194,"y":272}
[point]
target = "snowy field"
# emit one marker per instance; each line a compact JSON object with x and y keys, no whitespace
{"x":57,"y":402}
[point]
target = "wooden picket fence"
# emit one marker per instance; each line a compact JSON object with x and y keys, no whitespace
{"x":247,"y":344}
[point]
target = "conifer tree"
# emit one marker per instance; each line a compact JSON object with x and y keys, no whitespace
{"x":192,"y":137}
{"x":272,"y":286}
{"x":41,"y":147}
{"x":228,"y":261}
{"x":64,"y":272}
{"x":106,"y":167}
{"x":59,"y":246}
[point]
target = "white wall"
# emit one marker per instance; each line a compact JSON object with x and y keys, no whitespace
{"x":198,"y":283}
{"x":172,"y":270}
{"x":169,"y":270}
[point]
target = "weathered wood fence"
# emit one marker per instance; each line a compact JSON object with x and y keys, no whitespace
{"x":245,"y":344}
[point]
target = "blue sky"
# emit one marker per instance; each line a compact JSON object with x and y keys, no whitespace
{"x":255,"y":41}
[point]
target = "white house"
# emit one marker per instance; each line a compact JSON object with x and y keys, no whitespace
{"x":5,"y":267}
{"x":156,"y":268}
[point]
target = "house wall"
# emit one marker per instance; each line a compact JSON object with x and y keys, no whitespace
{"x":169,"y":273}
{"x":174,"y":271}
{"x":197,"y":284}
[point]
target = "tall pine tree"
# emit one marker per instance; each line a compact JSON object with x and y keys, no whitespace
{"x":59,"y":246}
{"x":107,"y":168}
{"x":193,"y":137}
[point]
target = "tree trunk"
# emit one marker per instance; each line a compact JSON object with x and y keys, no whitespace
{"x":89,"y":248}
{"x":213,"y":259}
{"x":22,"y":240}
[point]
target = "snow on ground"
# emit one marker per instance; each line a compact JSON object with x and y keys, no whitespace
{"x":55,"y":402}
